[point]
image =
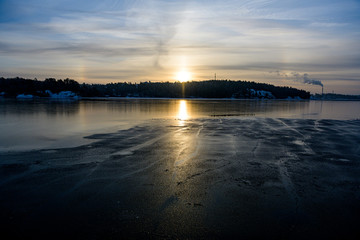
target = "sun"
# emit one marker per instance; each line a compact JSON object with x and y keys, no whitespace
{"x":183,"y":76}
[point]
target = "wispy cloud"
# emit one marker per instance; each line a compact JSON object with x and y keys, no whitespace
{"x":152,"y":39}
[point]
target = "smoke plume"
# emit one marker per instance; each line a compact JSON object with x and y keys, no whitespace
{"x":306,"y":79}
{"x":295,"y":76}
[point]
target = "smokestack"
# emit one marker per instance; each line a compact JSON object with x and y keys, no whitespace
{"x":215,"y":76}
{"x":322,"y":91}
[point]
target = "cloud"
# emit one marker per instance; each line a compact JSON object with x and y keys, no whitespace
{"x":244,"y":39}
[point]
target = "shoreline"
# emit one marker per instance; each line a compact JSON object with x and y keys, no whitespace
{"x":166,"y":98}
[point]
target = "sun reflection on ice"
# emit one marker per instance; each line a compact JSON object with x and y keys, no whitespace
{"x":183,"y":112}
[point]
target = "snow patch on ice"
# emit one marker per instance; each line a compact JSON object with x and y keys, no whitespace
{"x":294,"y":98}
{"x":299,"y":142}
{"x":124,"y":153}
{"x":261,"y":94}
{"x":62,"y":95}
{"x":339,"y":159}
{"x":24,"y":96}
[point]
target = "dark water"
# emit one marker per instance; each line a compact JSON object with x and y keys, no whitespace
{"x":26,"y":125}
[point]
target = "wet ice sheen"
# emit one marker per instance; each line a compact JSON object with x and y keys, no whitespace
{"x":199,"y":178}
{"x":240,"y":175}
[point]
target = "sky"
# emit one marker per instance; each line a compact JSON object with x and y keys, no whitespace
{"x":303,"y":44}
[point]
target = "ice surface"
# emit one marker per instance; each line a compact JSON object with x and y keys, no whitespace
{"x":210,"y":178}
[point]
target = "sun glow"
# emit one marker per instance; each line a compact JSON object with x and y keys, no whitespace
{"x":183,"y":76}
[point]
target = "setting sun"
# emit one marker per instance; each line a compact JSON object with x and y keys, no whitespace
{"x":183,"y":76}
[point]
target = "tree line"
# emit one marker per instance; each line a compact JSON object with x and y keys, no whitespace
{"x":11,"y":87}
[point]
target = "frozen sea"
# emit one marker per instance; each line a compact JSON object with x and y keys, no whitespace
{"x":180,"y":169}
{"x":39,"y":124}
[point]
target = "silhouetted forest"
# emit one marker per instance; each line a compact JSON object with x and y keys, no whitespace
{"x":11,"y":87}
